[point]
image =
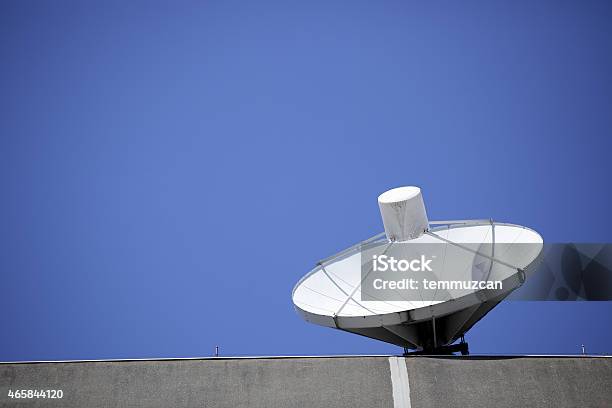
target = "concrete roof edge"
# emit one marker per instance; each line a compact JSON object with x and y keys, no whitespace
{"x":469,"y":357}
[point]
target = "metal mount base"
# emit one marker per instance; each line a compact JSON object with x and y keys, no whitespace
{"x":442,"y":351}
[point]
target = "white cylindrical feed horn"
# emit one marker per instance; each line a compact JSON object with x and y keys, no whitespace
{"x":403,"y":213}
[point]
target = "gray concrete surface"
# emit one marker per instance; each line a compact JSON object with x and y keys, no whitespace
{"x":510,"y":382}
{"x":294,"y":382}
{"x":316,"y":382}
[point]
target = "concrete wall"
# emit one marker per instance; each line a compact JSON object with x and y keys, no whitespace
{"x":317,"y":382}
{"x":511,"y":382}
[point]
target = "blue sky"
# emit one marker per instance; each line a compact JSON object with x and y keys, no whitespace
{"x":169,"y":170}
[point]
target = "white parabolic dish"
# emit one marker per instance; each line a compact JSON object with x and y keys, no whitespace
{"x":330,"y":294}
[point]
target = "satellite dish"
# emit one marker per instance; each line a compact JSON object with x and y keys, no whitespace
{"x":337,"y":292}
